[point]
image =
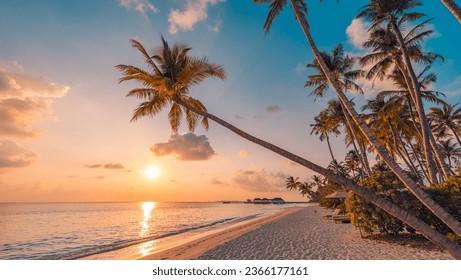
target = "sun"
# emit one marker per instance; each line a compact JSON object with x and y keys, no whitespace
{"x":152,"y":172}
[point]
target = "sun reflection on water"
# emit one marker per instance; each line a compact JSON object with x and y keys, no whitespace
{"x":147,"y":208}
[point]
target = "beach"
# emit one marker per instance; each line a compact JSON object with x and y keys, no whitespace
{"x":297,"y":233}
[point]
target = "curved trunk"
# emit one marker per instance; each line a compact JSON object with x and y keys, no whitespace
{"x":370,"y":196}
{"x":453,"y":8}
{"x":435,"y":208}
{"x":417,"y":100}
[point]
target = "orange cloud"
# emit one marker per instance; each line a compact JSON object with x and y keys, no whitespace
{"x":25,"y":100}
{"x":260,"y":181}
{"x":13,"y":155}
{"x":106,"y":166}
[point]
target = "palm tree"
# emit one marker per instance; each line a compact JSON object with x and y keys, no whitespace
{"x":450,"y":151}
{"x":446,"y":117}
{"x":453,"y":8}
{"x":323,"y":126}
{"x":172,"y":73}
{"x":341,"y":68}
{"x":300,"y":10}
{"x":292,"y":183}
{"x":393,"y":12}
{"x":171,"y":77}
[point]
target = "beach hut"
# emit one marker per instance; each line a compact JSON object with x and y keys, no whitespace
{"x":341,"y":195}
{"x":278,"y":200}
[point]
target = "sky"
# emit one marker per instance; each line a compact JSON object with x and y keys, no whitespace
{"x":65,"y":130}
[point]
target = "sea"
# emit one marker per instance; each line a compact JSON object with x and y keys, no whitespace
{"x":60,"y":231}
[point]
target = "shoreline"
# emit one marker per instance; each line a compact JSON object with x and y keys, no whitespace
{"x":201,"y":244}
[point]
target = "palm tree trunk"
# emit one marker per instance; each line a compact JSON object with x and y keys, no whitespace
{"x":329,"y":148}
{"x":414,"y":89}
{"x":421,"y":165}
{"x":456,"y":135}
{"x":398,"y":149}
{"x":434,"y":207}
{"x":392,"y":209}
{"x":453,"y":8}
{"x":404,"y":147}
{"x":438,"y":156}
{"x":354,"y":136}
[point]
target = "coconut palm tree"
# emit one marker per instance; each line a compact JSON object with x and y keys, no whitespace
{"x":446,"y":117}
{"x":300,"y":10}
{"x":453,"y":8}
{"x":387,"y":56}
{"x":450,"y":151}
{"x":323,"y":126}
{"x":170,"y":77}
{"x":393,"y":13}
{"x":341,"y":68}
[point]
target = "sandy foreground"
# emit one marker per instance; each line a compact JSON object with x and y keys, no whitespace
{"x":297,"y":233}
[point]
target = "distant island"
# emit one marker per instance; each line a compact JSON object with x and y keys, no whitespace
{"x":275,"y":200}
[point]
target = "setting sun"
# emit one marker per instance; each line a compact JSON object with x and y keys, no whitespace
{"x":152,"y":172}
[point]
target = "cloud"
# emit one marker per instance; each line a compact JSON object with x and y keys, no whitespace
{"x":244,"y":154}
{"x":10,"y":65}
{"x":260,"y":181}
{"x":238,"y":117}
{"x":272,"y":109}
{"x":13,"y":155}
{"x":98,"y":177}
{"x":215,"y":181}
{"x":141,"y":6}
{"x":196,"y":11}
{"x":25,"y":100}
{"x":215,"y":28}
{"x":357,"y":32}
{"x":300,"y":68}
{"x":186,"y":147}
{"x":106,"y":166}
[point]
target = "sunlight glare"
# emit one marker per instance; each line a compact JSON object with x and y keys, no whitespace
{"x":152,"y":172}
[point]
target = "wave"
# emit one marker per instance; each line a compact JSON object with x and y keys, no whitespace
{"x":90,"y":250}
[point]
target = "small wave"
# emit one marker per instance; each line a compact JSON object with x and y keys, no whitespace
{"x":89,"y":250}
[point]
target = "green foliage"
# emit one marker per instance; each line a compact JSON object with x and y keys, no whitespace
{"x":385,"y":183}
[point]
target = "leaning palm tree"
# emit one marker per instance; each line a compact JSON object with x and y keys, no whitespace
{"x":300,"y":10}
{"x":453,"y":8}
{"x":170,"y":77}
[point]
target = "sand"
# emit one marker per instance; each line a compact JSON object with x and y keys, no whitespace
{"x":296,"y":234}
{"x":195,"y":248}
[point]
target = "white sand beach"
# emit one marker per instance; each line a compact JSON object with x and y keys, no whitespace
{"x":296,"y":234}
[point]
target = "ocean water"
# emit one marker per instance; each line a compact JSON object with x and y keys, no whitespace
{"x":82,"y":230}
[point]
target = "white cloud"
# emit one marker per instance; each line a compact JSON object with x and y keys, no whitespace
{"x":186,"y":147}
{"x":141,"y":6}
{"x":260,"y":181}
{"x":357,"y":32}
{"x":300,"y":68}
{"x":13,"y":155}
{"x":196,"y":11}
{"x":215,"y":28}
